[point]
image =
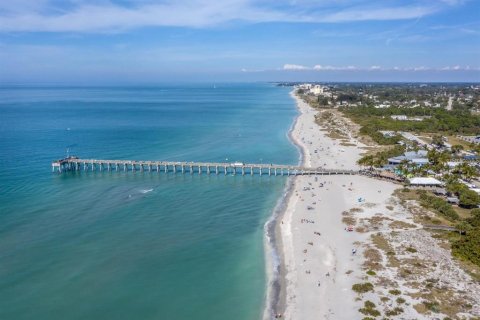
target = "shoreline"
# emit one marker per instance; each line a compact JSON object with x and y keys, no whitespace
{"x":274,"y":259}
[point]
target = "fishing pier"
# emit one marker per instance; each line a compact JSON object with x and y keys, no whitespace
{"x":76,"y":164}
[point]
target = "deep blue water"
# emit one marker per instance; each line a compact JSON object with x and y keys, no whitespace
{"x":137,"y":245}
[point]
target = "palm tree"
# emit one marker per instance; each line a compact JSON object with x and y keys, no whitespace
{"x":367,"y":161}
{"x":466,"y":170}
{"x":433,"y":156}
{"x":403,"y":167}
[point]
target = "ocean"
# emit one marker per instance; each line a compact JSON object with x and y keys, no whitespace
{"x":115,"y":245}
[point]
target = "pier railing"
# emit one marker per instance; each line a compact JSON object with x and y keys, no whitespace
{"x":76,"y":164}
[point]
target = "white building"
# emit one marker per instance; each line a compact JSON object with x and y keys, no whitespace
{"x":306,"y":86}
{"x":399,"y":117}
{"x":425,"y":182}
{"x":317,"y":90}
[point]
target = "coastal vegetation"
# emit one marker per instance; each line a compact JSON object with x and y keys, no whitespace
{"x":371,"y":273}
{"x":468,"y":246}
{"x":433,"y":119}
{"x":395,"y":292}
{"x":438,"y":205}
{"x":465,"y":241}
{"x":369,"y":309}
{"x":362,"y":287}
{"x":373,"y":132}
{"x":381,"y":158}
{"x":467,"y":198}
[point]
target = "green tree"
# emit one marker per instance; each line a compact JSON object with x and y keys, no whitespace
{"x":404,"y":167}
{"x":323,"y":101}
{"x":474,"y":220}
{"x":367,"y":161}
{"x":438,"y":140}
{"x":466,"y":170}
{"x":433,"y":156}
{"x":455,"y":187}
{"x":469,"y":198}
{"x":463,"y":227}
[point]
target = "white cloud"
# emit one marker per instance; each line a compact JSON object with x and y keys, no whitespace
{"x":330,"y":68}
{"x":296,"y":67}
{"x":421,"y":68}
{"x":320,"y":68}
{"x":91,"y":16}
{"x":388,"y":13}
{"x":453,"y":2}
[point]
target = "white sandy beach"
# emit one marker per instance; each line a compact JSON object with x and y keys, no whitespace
{"x":320,"y":268}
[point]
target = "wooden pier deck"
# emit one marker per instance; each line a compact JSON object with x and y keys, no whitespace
{"x":76,"y":164}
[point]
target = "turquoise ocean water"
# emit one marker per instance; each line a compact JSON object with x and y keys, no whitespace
{"x":137,"y":245}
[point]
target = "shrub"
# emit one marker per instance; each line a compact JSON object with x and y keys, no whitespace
{"x":394,"y":312}
{"x":371,"y":273}
{"x":400,"y":300}
{"x":395,"y":292}
{"x":439,"y":205}
{"x":371,"y":312}
{"x":369,"y":309}
{"x":372,"y":131}
{"x":362,"y":287}
{"x":411,"y":249}
{"x":432,"y":306}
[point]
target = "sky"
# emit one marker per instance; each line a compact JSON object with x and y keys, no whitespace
{"x":148,"y":42}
